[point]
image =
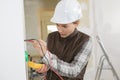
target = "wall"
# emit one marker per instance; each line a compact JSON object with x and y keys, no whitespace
{"x":106,"y":24}
{"x":12,"y":61}
{"x":108,"y":27}
{"x":33,"y":10}
{"x":32,"y":18}
{"x":32,"y":24}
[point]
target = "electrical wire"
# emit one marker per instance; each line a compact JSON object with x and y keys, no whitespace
{"x":49,"y":64}
{"x":48,"y":61}
{"x":53,"y":69}
{"x":31,"y":40}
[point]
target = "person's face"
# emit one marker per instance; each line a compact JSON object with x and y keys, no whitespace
{"x":66,"y":29}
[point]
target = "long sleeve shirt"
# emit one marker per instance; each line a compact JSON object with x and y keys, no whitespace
{"x":69,"y":69}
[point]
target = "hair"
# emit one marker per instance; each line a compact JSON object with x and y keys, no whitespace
{"x":76,"y":22}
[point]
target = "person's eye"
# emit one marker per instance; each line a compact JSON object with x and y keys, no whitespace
{"x":65,"y":26}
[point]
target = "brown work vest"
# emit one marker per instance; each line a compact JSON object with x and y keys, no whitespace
{"x":66,"y":49}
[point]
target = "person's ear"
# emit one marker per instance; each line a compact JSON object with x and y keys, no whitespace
{"x":76,"y":23}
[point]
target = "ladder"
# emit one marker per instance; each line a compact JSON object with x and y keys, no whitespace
{"x":101,"y":62}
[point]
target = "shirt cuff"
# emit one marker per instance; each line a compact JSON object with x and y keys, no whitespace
{"x":47,"y":57}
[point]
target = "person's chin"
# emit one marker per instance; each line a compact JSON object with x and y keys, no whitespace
{"x":63,"y":36}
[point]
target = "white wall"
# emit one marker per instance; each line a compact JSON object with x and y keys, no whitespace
{"x":12,"y":61}
{"x":105,"y":21}
{"x":107,"y":25}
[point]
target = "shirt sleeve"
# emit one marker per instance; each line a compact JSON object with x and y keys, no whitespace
{"x":69,"y":69}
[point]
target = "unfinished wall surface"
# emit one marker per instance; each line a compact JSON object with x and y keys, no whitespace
{"x":104,"y":19}
{"x":108,"y":27}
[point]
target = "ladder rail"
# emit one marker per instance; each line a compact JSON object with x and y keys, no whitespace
{"x":100,"y":66}
{"x":107,"y":58}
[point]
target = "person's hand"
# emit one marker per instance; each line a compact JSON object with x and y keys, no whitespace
{"x":40,"y":47}
{"x":43,"y":69}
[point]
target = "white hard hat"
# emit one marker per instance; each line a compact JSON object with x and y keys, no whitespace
{"x":67,"y":11}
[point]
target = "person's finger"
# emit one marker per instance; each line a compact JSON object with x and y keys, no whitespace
{"x":39,"y":70}
{"x":45,"y":68}
{"x":43,"y":42}
{"x":35,"y":44}
{"x":42,"y":70}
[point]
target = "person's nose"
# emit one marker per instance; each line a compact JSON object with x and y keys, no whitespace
{"x":60,"y":30}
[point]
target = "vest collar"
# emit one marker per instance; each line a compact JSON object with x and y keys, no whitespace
{"x":70,"y":36}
